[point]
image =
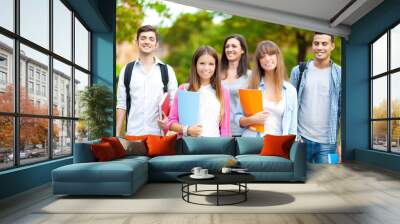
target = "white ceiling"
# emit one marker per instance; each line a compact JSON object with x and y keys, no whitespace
{"x":316,"y":15}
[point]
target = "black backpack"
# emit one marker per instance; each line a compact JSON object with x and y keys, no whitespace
{"x":127,"y":81}
{"x":302,"y":67}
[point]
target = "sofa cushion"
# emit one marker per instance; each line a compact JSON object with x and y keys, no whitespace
{"x":249,"y":145}
{"x":112,"y":171}
{"x":277,"y":145}
{"x":116,"y":145}
{"x":161,"y":145}
{"x":103,"y":152}
{"x":185,"y":163}
{"x":134,"y":147}
{"x":208,"y":145}
{"x":136,"y":137}
{"x":83,"y":152}
{"x":128,"y":159}
{"x":257,"y":163}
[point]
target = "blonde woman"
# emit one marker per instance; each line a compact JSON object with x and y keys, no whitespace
{"x":279,"y":114}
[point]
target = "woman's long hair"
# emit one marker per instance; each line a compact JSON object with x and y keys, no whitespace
{"x":243,"y":63}
{"x":280,"y":74}
{"x":215,"y":81}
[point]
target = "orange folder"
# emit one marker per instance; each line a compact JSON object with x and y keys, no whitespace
{"x":251,"y":101}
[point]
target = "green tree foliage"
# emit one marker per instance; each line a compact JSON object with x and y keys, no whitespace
{"x":130,"y":15}
{"x":189,"y":31}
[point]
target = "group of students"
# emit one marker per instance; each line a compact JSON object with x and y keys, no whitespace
{"x":307,"y":106}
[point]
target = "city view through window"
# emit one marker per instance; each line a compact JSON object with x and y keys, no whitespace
{"x":39,"y":114}
{"x":385,"y":79}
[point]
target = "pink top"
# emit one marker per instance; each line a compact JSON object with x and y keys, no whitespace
{"x":225,"y":124}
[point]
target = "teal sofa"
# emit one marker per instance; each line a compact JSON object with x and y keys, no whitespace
{"x":125,"y":176}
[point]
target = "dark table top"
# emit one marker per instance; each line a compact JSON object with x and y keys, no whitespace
{"x":220,"y":178}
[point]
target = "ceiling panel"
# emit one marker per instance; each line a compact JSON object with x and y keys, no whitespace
{"x":314,"y":15}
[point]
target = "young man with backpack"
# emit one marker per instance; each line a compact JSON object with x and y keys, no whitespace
{"x":141,"y":85}
{"x":318,"y":84}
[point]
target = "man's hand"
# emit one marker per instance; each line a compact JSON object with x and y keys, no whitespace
{"x":195,"y":130}
{"x":163,"y":124}
{"x":339,"y":152}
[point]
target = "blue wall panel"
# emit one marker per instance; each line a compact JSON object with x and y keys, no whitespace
{"x":24,"y":178}
{"x":103,"y":59}
{"x":357,"y":98}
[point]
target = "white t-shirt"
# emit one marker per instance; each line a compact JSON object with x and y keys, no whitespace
{"x":210,"y":110}
{"x":273,"y":123}
{"x":315,"y":105}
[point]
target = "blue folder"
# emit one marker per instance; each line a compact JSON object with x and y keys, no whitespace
{"x":188,"y":107}
{"x":333,"y":158}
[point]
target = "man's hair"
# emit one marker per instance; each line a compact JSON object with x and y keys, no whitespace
{"x":146,"y":28}
{"x":320,"y":33}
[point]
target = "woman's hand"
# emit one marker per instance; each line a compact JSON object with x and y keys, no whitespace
{"x":259,"y":118}
{"x":195,"y":130}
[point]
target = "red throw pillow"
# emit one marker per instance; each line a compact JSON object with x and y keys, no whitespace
{"x":277,"y":145}
{"x":116,"y":145}
{"x":103,"y":152}
{"x":161,"y":145}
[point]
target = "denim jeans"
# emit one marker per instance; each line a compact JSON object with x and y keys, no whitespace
{"x":318,"y":152}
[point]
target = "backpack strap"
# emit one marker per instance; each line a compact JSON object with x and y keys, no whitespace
{"x":127,"y":81}
{"x":302,"y":67}
{"x":164,"y":76}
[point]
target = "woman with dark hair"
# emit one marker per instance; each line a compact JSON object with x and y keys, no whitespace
{"x":234,"y":73}
{"x":214,"y":114}
{"x":279,"y":114}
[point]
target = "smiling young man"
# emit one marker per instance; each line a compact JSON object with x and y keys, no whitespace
{"x":141,"y":86}
{"x":319,"y":90}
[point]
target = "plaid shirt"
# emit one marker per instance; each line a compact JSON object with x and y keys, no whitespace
{"x":334,"y":92}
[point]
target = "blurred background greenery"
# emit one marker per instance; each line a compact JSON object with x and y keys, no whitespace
{"x":189,"y":30}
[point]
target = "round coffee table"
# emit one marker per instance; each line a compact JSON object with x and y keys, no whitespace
{"x":238,"y":179}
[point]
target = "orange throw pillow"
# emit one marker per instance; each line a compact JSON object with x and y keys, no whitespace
{"x":161,"y":145}
{"x":136,"y":138}
{"x":116,"y":145}
{"x":103,"y":152}
{"x":277,"y":145}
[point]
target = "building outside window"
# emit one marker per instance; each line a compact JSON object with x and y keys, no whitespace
{"x":43,"y":90}
{"x":3,"y":71}
{"x":30,"y":72}
{"x":385,"y":94}
{"x":44,"y":78}
{"x":37,"y":75}
{"x":30,"y":87}
{"x":3,"y":78}
{"x":37,"y":89}
{"x":3,"y":61}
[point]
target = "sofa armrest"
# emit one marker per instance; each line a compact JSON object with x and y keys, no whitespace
{"x":298,"y":157}
{"x":83,"y":152}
